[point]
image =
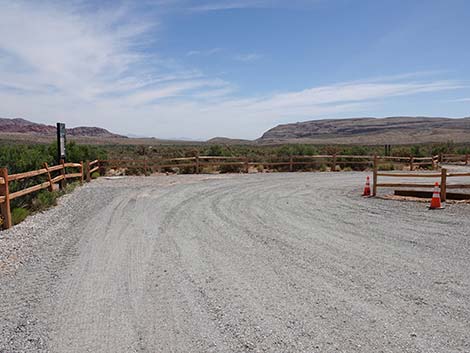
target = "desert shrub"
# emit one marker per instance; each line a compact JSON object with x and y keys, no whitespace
{"x":347,"y":169}
{"x":386,"y":166}
{"x":323,"y":168}
{"x":69,"y":187}
{"x":356,"y":151}
{"x":134,"y":170}
{"x":18,"y":215}
{"x":208,"y":170}
{"x":20,"y":158}
{"x":23,"y":158}
{"x":231,"y":168}
{"x":44,"y":200}
{"x":77,"y":153}
{"x":217,"y":150}
{"x":296,"y":150}
{"x":187,"y":170}
{"x":463,"y":150}
{"x":95,"y":175}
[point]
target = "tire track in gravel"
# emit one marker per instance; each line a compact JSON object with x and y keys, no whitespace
{"x":288,"y":262}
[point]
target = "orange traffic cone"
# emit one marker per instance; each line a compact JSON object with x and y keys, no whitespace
{"x":367,"y":188}
{"x":436,"y":198}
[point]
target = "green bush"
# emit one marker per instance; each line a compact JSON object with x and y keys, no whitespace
{"x":44,"y":200}
{"x":23,"y":158}
{"x":231,"y":169}
{"x":386,"y":166}
{"x":71,"y":186}
{"x":18,"y":215}
{"x":95,"y":175}
{"x":20,"y":158}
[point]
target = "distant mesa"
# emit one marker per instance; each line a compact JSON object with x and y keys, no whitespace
{"x":228,"y":141}
{"x":359,"y":131}
{"x":368,"y":131}
{"x":19,"y":125}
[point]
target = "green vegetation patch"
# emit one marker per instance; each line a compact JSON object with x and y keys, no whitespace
{"x":19,"y":214}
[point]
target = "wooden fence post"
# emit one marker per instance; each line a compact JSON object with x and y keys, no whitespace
{"x":197,"y":164}
{"x":466,"y":159}
{"x":159,"y":163}
{"x":145,"y":166}
{"x":51,"y":186}
{"x":87,"y":171}
{"x":102,"y":168}
{"x":411,"y":163}
{"x":246,"y":165}
{"x":333,"y":166}
{"x":63,"y":182}
{"x":81,"y":172}
{"x":443,"y":184}
{"x":5,"y":205}
{"x":291,"y":164}
{"x":374,"y":178}
{"x":440,"y":158}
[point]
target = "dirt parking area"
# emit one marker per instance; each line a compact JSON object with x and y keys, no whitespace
{"x":286,"y":262}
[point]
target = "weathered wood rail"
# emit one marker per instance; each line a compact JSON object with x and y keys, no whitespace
{"x":90,"y":168}
{"x":463,"y":159}
{"x":199,"y":162}
{"x":6,"y":196}
{"x":244,"y":163}
{"x":443,"y":177}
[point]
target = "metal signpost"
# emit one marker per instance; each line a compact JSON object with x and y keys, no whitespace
{"x":387,"y":150}
{"x":61,"y":142}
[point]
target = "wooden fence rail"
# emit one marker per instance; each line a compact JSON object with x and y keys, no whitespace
{"x":198,"y":162}
{"x":455,"y":158}
{"x":6,"y":196}
{"x":442,"y":177}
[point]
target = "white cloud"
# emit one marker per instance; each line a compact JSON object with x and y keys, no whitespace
{"x":173,"y":90}
{"x":223,"y":5}
{"x":207,"y":52}
{"x":248,"y":57}
{"x":87,"y":68}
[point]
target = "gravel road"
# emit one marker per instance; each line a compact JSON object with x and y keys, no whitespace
{"x":281,"y":262}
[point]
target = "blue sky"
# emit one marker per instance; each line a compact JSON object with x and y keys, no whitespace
{"x":235,"y":68}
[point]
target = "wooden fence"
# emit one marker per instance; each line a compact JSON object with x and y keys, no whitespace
{"x":197,"y":164}
{"x":454,"y":159}
{"x":244,"y":163}
{"x":443,"y":177}
{"x":91,"y":167}
{"x":6,"y":196}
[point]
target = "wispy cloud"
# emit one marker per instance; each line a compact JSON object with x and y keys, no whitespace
{"x":229,"y":5}
{"x":93,"y":67}
{"x":223,"y":5}
{"x":207,"y":52}
{"x":248,"y":57}
{"x":460,"y":100}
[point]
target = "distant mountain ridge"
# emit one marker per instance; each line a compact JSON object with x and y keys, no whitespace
{"x":19,"y":125}
{"x":360,"y":131}
{"x":393,"y":130}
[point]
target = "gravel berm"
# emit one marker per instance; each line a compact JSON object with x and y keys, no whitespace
{"x":288,"y":262}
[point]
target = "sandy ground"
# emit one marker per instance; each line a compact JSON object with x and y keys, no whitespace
{"x":239,"y":263}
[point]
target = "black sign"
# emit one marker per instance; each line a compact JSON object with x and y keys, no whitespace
{"x":388,"y":150}
{"x":61,"y":142}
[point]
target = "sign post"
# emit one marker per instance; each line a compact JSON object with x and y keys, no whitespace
{"x":388,"y":150}
{"x":61,"y":141}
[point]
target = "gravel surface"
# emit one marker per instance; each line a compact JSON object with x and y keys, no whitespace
{"x":281,"y":262}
